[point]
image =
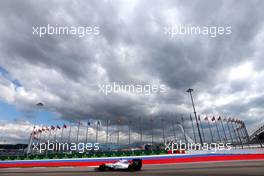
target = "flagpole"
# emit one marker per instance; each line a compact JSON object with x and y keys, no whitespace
{"x":118,"y":130}
{"x":173,"y":128}
{"x":139,"y":129}
{"x":40,"y":134}
{"x":37,"y":138}
{"x":163,"y":130}
{"x":228,"y":127}
{"x":44,"y":135}
{"x":52,"y":134}
{"x":244,"y":133}
{"x":199,"y":120}
{"x":239,"y":132}
{"x":193,"y":128}
{"x":55,"y":134}
{"x":78,"y":131}
{"x":62,"y":133}
{"x":220,"y":140}
{"x":48,"y":140}
{"x":96,"y":132}
{"x":183,"y":126}
{"x":30,"y":140}
{"x":152,"y":131}
{"x":129,"y":132}
{"x":239,"y":139}
{"x":55,"y":137}
{"x":223,"y":128}
{"x":141,"y":132}
{"x":69,"y":136}
{"x":245,"y":129}
{"x":107,"y":134}
{"x":49,"y":134}
{"x":234,"y":132}
{"x":87,"y":131}
{"x":202,"y":129}
{"x":210,"y":129}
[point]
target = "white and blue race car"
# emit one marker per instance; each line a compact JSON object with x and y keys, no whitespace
{"x":122,"y":164}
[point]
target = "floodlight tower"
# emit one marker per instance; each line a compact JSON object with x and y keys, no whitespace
{"x":190,"y":91}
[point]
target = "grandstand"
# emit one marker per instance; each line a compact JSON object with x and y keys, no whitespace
{"x":258,"y":134}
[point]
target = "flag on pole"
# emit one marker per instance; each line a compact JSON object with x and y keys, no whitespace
{"x":219,"y":118}
{"x":58,"y":127}
{"x":224,"y":119}
{"x":89,"y":123}
{"x":52,"y":127}
{"x":99,"y":122}
{"x":206,"y":118}
{"x":213,"y":119}
{"x":64,"y":126}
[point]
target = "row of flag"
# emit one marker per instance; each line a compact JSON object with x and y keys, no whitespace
{"x":220,"y":118}
{"x":47,"y":129}
{"x":212,"y":119}
{"x":237,"y":128}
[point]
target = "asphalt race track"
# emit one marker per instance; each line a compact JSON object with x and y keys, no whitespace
{"x":227,"y":168}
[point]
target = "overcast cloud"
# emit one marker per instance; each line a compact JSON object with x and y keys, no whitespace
{"x":64,"y":72}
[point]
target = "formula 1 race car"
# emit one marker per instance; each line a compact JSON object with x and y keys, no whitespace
{"x":125,"y":165}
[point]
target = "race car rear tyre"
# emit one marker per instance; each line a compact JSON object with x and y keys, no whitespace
{"x":102,"y":168}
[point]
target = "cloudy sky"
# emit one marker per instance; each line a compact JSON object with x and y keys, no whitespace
{"x":63,"y":72}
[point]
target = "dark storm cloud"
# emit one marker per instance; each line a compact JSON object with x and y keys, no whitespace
{"x":131,"y":48}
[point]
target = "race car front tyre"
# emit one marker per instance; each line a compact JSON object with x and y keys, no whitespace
{"x":131,"y":168}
